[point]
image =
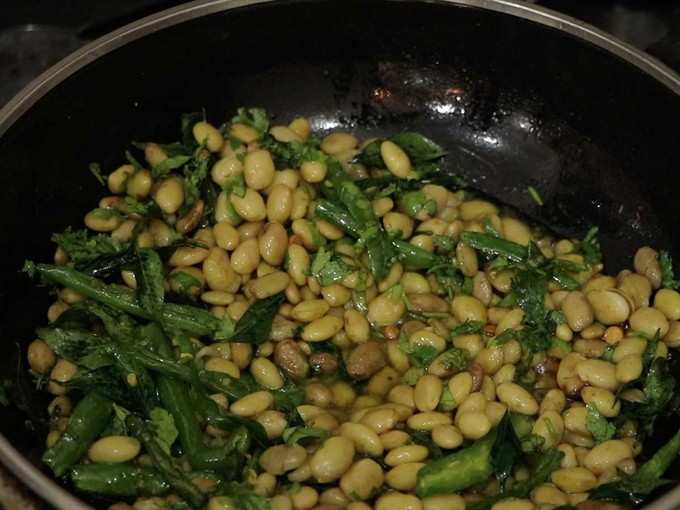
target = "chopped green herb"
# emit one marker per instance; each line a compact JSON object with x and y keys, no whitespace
{"x":294,"y":435}
{"x":96,"y":170}
{"x":668,"y":280}
{"x":164,"y":426}
{"x":256,"y":118}
{"x":535,"y":196}
{"x":598,"y":425}
{"x":468,"y":327}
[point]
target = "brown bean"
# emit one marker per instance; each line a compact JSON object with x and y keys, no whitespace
{"x":324,"y":363}
{"x":289,"y":357}
{"x":365,"y":360}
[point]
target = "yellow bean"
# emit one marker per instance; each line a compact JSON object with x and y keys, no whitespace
{"x":396,"y":160}
{"x":102,"y":220}
{"x":339,"y":142}
{"x":473,"y":425}
{"x":280,"y":459}
{"x":139,"y":184}
{"x":365,"y":439}
{"x":224,"y":366}
{"x":649,"y":321}
{"x":428,"y":420}
{"x":114,"y":449}
{"x":274,"y":423}
{"x":404,"y":477}
{"x":576,"y":479}
{"x":550,"y":427}
{"x":603,"y":400}
{"x":357,"y":328}
{"x":398,"y":222}
{"x":279,"y":203}
{"x":404,"y":454}
{"x":428,"y":392}
{"x":225,"y":169}
{"x":460,"y":386}
{"x":246,"y":257}
{"x":252,"y":404}
{"x":476,"y":210}
{"x":258,"y":169}
{"x":332,"y":460}
{"x":386,"y":309}
{"x":322,"y":329}
{"x":610,"y":306}
{"x":206,"y":133}
{"x":598,"y":373}
{"x":298,"y":263}
{"x":266,"y":374}
{"x":218,"y":271}
{"x":646,"y":263}
{"x":305,"y":498}
{"x":380,"y":420}
{"x":363,"y":479}
{"x":63,"y":371}
{"x":398,"y":501}
{"x":577,"y":310}
{"x":250,"y":206}
{"x":118,"y":178}
{"x":444,"y":502}
{"x":447,"y":436}
{"x":467,"y":259}
{"x":268,"y":285}
{"x":468,"y":308}
{"x":607,"y":455}
{"x":667,"y":301}
{"x":554,"y":400}
{"x":517,"y":399}
{"x":41,"y":357}
{"x":169,"y":195}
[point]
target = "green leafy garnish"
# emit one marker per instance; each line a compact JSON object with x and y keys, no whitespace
{"x":418,"y":147}
{"x":590,"y":247}
{"x":294,"y":435}
{"x":83,"y":247}
{"x":164,"y":426}
{"x":454,"y":358}
{"x":598,"y":425}
{"x":329,"y":268}
{"x":256,"y":324}
{"x":420,"y":356}
{"x":506,"y":450}
{"x":535,"y":196}
{"x":416,"y":204}
{"x":288,"y":398}
{"x":468,"y":327}
{"x":256,"y":118}
{"x":668,"y":280}
{"x":96,"y":170}
{"x":168,"y":165}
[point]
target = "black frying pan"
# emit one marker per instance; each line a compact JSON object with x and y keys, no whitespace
{"x":518,"y":95}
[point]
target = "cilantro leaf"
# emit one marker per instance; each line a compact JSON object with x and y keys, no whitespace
{"x":589,"y":247}
{"x":668,"y":280}
{"x":420,"y":356}
{"x":293,"y":435}
{"x":329,"y":268}
{"x":598,"y":425}
{"x":255,"y":324}
{"x":164,"y":426}
{"x":289,"y":397}
{"x":256,"y":118}
{"x":168,"y":165}
{"x":454,"y":358}
{"x":83,"y":247}
{"x":416,"y":204}
{"x":506,"y":450}
{"x":468,"y":327}
{"x":96,"y":170}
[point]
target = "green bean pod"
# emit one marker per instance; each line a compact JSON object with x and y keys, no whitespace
{"x":119,"y":480}
{"x":89,"y":419}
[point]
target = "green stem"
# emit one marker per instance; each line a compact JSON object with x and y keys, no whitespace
{"x":118,"y":480}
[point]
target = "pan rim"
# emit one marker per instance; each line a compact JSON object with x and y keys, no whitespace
{"x":22,"y":102}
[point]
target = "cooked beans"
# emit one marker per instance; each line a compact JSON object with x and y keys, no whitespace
{"x":366,"y":328}
{"x":114,"y":449}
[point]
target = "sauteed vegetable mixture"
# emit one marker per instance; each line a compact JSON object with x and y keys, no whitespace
{"x":257,"y":318}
